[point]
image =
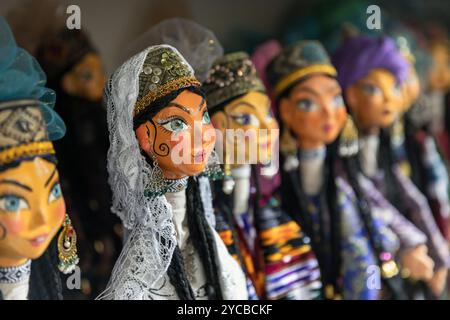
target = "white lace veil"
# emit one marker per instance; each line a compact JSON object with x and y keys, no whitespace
{"x":148,"y":250}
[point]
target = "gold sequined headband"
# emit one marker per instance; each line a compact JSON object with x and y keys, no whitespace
{"x":291,"y":78}
{"x":164,"y":90}
{"x":26,"y":151}
{"x":164,"y":71}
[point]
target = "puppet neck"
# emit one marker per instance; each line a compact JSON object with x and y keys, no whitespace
{"x":177,"y":201}
{"x":241,"y":194}
{"x":368,"y":155}
{"x":311,"y":168}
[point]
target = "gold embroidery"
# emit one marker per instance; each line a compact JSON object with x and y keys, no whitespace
{"x":26,"y":150}
{"x":300,"y":73}
{"x":163,"y":90}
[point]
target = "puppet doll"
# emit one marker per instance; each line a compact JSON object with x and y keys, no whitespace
{"x":161,"y":140}
{"x":32,"y":207}
{"x":414,"y":146}
{"x":351,"y":226}
{"x":437,"y":89}
{"x":75,"y":72}
{"x":275,"y":253}
{"x":370,"y":72}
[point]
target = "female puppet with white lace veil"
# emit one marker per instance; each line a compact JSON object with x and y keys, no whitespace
{"x":155,"y":112}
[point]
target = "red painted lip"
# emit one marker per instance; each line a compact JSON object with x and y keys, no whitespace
{"x":327,"y":127}
{"x":39,"y":240}
{"x":200,"y":156}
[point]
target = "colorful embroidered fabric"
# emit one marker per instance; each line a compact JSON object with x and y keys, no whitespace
{"x":357,"y":254}
{"x":291,"y":268}
{"x":420,"y":215}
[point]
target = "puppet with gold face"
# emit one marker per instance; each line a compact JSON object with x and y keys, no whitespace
{"x":322,"y":187}
{"x":371,"y":72}
{"x":32,"y":208}
{"x":249,"y":221}
{"x":414,"y":145}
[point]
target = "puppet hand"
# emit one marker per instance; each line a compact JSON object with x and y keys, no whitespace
{"x":437,"y":282}
{"x":417,"y":263}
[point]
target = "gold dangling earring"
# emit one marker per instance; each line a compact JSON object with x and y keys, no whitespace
{"x":228,"y":181}
{"x":67,"y":247}
{"x":349,"y":139}
{"x":288,"y":147}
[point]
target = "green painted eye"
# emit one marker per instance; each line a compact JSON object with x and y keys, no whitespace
{"x":13,"y":203}
{"x":206,"y":118}
{"x":175,"y":125}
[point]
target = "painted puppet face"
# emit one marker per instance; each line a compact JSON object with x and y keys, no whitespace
{"x":439,"y":73}
{"x":86,"y":79}
{"x":180,"y":136}
{"x":410,"y":88}
{"x":314,"y":111}
{"x":376,"y":100}
{"x":251,"y":114}
{"x":32,"y":210}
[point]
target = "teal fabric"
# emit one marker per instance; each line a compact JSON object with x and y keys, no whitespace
{"x":21,"y":77}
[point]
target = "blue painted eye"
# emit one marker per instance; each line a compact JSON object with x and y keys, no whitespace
{"x":338,"y":101}
{"x":306,"y":105}
{"x":55,"y":193}
{"x":371,"y":89}
{"x":175,"y":125}
{"x":206,"y":118}
{"x":246,"y":119}
{"x":13,"y":203}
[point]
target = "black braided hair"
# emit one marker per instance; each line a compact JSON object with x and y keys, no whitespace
{"x":414,"y":151}
{"x":178,"y":278}
{"x":203,"y":238}
{"x":45,"y":280}
{"x":386,"y":161}
{"x":295,"y":203}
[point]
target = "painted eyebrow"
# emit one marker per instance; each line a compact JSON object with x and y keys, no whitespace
{"x":307,"y":89}
{"x":17,"y":184}
{"x":50,"y":178}
{"x":243,"y":103}
{"x":179,"y":106}
{"x":202,"y":104}
{"x":333,"y":87}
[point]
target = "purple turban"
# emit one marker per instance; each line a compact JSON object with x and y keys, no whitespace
{"x":358,"y":55}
